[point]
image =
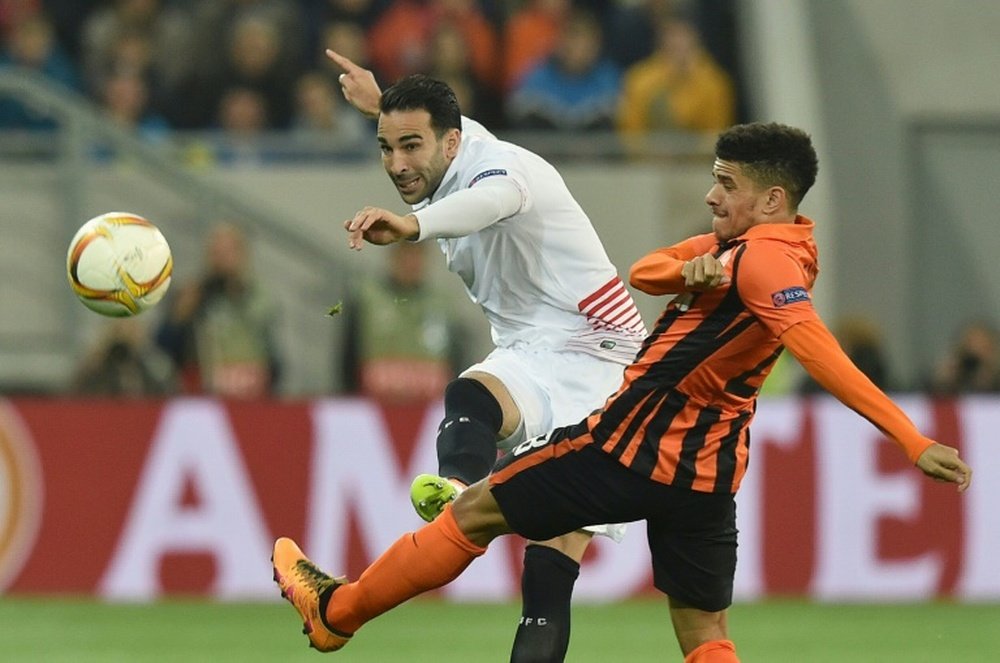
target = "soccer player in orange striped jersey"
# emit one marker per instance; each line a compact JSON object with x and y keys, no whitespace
{"x":670,"y":446}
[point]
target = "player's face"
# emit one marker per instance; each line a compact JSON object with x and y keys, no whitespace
{"x":736,"y":201}
{"x":413,"y":155}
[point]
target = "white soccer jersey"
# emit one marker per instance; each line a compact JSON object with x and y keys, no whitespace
{"x":541,"y":275}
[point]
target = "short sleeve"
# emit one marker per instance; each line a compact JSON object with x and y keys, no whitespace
{"x":774,"y":286}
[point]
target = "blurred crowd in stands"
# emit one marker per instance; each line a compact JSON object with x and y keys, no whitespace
{"x":402,"y":340}
{"x":243,"y":69}
{"x":252,"y":66}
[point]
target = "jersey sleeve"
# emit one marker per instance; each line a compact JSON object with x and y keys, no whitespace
{"x":817,"y":350}
{"x":494,"y":188}
{"x":659,"y":272}
{"x":775,"y":287}
{"x":469,"y":210}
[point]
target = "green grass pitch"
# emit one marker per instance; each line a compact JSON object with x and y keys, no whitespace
{"x":49,"y":630}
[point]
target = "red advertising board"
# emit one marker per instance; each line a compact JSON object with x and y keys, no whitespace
{"x":133,"y":500}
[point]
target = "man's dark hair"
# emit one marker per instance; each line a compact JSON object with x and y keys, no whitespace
{"x":772,"y":154}
{"x":419,"y":92}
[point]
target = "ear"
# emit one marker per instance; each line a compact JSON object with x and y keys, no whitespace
{"x":452,"y":139}
{"x":775,"y":201}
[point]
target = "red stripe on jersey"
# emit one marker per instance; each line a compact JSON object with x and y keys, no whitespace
{"x":599,"y":293}
{"x":612,"y":307}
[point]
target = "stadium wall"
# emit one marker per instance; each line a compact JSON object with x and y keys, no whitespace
{"x":139,"y":500}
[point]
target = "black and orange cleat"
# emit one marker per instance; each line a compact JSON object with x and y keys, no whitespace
{"x":302,"y":583}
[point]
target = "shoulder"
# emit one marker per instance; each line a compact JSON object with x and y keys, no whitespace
{"x":766,"y":268}
{"x":484,"y":158}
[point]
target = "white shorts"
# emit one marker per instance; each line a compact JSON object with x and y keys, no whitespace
{"x":553,"y":388}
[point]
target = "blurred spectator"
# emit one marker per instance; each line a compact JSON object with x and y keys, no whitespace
{"x":400,"y":41}
{"x":633,"y":26}
{"x":402,"y":341}
{"x":346,"y":38}
{"x":238,"y":137}
{"x":862,"y":341}
{"x":363,"y":13}
{"x":125,"y":100}
{"x":219,"y":331}
{"x":359,"y":14}
{"x":130,"y":51}
{"x":973,"y":365}
{"x":150,"y":37}
{"x":214,"y":21}
{"x":575,"y":88}
{"x":14,"y":12}
{"x":124,"y":362}
{"x":450,"y":62}
{"x":530,"y":36}
{"x":31,"y":46}
{"x":320,"y":110}
{"x":254,"y":59}
{"x":66,"y":17}
{"x":678,"y":87}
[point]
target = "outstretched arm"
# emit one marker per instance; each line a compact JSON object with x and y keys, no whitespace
{"x":820,"y":354}
{"x":358,"y":85}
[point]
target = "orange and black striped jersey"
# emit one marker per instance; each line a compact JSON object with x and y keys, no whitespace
{"x":683,"y":412}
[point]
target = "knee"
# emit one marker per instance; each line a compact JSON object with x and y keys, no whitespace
{"x":464,"y":397}
{"x":478,"y":515}
{"x":573,"y":545}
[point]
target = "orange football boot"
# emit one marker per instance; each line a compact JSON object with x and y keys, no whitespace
{"x":302,"y":583}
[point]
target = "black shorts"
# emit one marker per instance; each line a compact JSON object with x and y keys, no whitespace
{"x":550,"y":488}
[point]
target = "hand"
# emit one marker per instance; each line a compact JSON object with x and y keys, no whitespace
{"x":379,"y":226}
{"x":358,"y":85}
{"x":704,"y":272}
{"x":942,"y":463}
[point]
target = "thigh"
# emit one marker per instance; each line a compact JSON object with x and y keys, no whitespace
{"x":550,"y":388}
{"x":557,"y":483}
{"x":525,"y":389}
{"x":692,"y":542}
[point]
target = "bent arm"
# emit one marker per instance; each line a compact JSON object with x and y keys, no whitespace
{"x":469,"y":210}
{"x":659,"y":273}
{"x":821,"y":356}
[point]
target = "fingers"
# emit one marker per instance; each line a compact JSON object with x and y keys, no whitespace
{"x":364,"y":219}
{"x":943,"y":463}
{"x":705,"y":271}
{"x":355,"y":238}
{"x":343,"y":62}
{"x":358,"y":228}
{"x":960,"y":474}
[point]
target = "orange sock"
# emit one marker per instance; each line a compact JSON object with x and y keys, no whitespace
{"x":715,"y":651}
{"x":431,"y":557}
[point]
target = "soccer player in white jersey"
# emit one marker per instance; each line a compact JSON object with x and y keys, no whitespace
{"x":563,"y":323}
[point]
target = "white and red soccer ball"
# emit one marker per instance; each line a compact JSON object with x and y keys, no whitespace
{"x":119,"y":264}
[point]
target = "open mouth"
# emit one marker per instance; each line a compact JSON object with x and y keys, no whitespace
{"x":408,"y":186}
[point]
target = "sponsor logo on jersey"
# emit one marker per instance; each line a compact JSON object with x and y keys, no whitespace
{"x":790,"y":296}
{"x":487,"y":173}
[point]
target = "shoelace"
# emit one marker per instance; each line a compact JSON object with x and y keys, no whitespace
{"x":312,"y":575}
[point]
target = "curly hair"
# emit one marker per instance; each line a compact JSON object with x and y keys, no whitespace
{"x":420,"y":92}
{"x":772,"y":154}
